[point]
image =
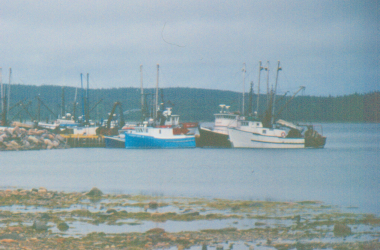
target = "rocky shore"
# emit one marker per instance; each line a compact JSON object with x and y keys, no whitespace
{"x":44,"y":219}
{"x":27,"y":138}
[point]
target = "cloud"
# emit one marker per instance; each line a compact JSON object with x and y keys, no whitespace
{"x":331,"y":47}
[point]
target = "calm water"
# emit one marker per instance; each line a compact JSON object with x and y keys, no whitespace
{"x":345,"y":173}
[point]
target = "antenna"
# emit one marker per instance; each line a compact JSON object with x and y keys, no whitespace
{"x":227,"y":107}
{"x":221,"y":106}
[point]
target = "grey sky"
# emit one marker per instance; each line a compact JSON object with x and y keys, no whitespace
{"x":331,"y":47}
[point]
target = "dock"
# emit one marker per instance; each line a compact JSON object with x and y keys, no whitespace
{"x":85,"y":141}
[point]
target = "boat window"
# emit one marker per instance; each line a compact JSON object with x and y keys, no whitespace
{"x":244,"y":123}
{"x":257,"y":124}
{"x":159,"y":131}
{"x":264,"y":131}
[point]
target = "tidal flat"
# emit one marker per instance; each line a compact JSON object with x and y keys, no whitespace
{"x":45,"y":219}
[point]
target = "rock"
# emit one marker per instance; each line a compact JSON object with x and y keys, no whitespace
{"x":111,"y":210}
{"x":156,"y":230}
{"x":153,"y":205}
{"x":17,"y":131}
{"x":40,"y":225}
{"x":8,"y":241}
{"x":26,"y":143}
{"x":95,"y":192}
{"x":63,"y":226}
{"x":341,"y":230}
{"x":46,"y":216}
{"x":33,"y":139}
{"x":60,"y":138}
{"x":42,"y":190}
{"x":48,"y":142}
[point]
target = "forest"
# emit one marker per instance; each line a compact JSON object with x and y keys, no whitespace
{"x":47,"y":103}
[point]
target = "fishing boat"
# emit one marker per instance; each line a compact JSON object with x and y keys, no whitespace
{"x":118,"y":141}
{"x":217,"y":136}
{"x":158,"y":137}
{"x":252,"y":134}
{"x":271,"y":132}
{"x":284,"y":134}
{"x":65,"y":122}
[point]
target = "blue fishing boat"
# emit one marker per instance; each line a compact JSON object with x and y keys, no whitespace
{"x":158,"y":137}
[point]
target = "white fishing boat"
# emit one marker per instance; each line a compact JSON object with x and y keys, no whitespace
{"x":252,"y":134}
{"x":272,"y":132}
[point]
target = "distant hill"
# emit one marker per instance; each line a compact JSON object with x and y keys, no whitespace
{"x":190,"y":103}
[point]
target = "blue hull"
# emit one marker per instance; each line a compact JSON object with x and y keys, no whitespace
{"x":142,"y":141}
{"x":114,"y":142}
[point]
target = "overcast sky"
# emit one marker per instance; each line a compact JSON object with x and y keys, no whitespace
{"x":330,"y":47}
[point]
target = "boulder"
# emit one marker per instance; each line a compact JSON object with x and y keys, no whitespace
{"x":33,"y":139}
{"x":341,"y":230}
{"x":40,"y":225}
{"x":63,"y":226}
{"x":95,"y":192}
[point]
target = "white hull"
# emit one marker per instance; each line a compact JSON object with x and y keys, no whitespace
{"x":244,"y":139}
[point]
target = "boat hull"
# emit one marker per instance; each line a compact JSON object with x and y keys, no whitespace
{"x":134,"y":140}
{"x":315,"y":142}
{"x":209,"y":138}
{"x":114,"y":142}
{"x":243,"y":139}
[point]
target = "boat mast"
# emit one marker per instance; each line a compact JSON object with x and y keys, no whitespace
{"x":258,"y":89}
{"x":274,"y":93}
{"x":250,"y":108}
{"x":75,"y":105}
{"x":63,"y":111}
{"x":9,"y":89}
{"x":156,"y":104}
{"x":81,"y":85}
{"x":242,"y":112}
{"x":88,"y":100}
{"x":267,"y":69}
{"x":142,"y":94}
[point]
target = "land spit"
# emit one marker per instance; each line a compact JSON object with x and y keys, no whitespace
{"x":44,"y":219}
{"x":28,"y":138}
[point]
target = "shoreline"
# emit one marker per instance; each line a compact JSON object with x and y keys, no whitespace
{"x":39,"y":218}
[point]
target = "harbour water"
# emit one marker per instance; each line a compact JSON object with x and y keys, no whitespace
{"x":345,"y":173}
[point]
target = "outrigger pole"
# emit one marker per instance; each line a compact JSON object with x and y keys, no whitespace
{"x":275,"y":89}
{"x":142,"y":94}
{"x":156,"y":104}
{"x":267,"y":69}
{"x":243,"y":88}
{"x":258,"y":89}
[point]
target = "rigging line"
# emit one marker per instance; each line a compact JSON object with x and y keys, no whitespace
{"x":162,"y":35}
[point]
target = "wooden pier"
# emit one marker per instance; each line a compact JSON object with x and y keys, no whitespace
{"x":85,"y":141}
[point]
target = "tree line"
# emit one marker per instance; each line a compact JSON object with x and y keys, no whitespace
{"x":47,"y":103}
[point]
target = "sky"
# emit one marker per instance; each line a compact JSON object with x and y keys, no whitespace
{"x":330,"y":47}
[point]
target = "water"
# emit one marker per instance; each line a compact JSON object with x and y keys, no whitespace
{"x":345,"y":173}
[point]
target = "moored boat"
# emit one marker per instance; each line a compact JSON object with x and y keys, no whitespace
{"x":217,"y":136}
{"x":271,"y":132}
{"x":152,"y":137}
{"x":252,"y":134}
